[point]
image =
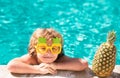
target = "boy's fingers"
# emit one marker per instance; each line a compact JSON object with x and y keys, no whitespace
{"x":52,"y":71}
{"x":52,"y":65}
{"x":48,"y":68}
{"x":41,"y":65}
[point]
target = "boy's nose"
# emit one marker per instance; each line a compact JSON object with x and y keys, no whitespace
{"x":49,"y":51}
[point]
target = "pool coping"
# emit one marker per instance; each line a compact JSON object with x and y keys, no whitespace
{"x":61,"y":74}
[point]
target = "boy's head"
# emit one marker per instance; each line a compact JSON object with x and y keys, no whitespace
{"x":46,"y":45}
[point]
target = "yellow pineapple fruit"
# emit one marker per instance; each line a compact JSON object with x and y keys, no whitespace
{"x":104,"y":59}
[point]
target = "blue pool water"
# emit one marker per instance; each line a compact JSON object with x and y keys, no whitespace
{"x":83,"y":24}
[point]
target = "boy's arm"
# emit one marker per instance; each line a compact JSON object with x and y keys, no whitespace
{"x":16,"y":66}
{"x":74,"y":64}
{"x":23,"y":65}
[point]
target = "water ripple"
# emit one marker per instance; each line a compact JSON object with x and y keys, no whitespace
{"x":83,"y":24}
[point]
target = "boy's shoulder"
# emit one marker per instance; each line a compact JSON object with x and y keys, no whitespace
{"x":28,"y":59}
{"x":64,"y":58}
{"x":67,"y":59}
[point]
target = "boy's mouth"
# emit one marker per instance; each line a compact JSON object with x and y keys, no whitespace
{"x":48,"y":57}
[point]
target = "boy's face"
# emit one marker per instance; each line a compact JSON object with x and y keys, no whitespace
{"x":48,"y":55}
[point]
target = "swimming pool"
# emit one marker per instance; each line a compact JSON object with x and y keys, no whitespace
{"x":83,"y":24}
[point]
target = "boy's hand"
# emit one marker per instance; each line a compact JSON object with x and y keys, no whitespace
{"x":53,"y":66}
{"x":47,"y":68}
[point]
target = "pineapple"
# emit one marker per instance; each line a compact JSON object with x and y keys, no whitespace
{"x":104,"y":60}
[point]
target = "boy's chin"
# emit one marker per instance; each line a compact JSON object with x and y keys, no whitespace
{"x":47,"y":61}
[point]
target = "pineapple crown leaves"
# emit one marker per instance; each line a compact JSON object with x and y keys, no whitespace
{"x":56,"y":40}
{"x":111,"y":36}
{"x":41,"y":40}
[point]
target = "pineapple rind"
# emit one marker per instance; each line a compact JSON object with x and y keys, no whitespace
{"x":104,"y":60}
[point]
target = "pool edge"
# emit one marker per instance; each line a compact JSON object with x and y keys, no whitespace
{"x":61,"y":74}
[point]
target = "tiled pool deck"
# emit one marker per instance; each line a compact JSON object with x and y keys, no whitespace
{"x":4,"y":73}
